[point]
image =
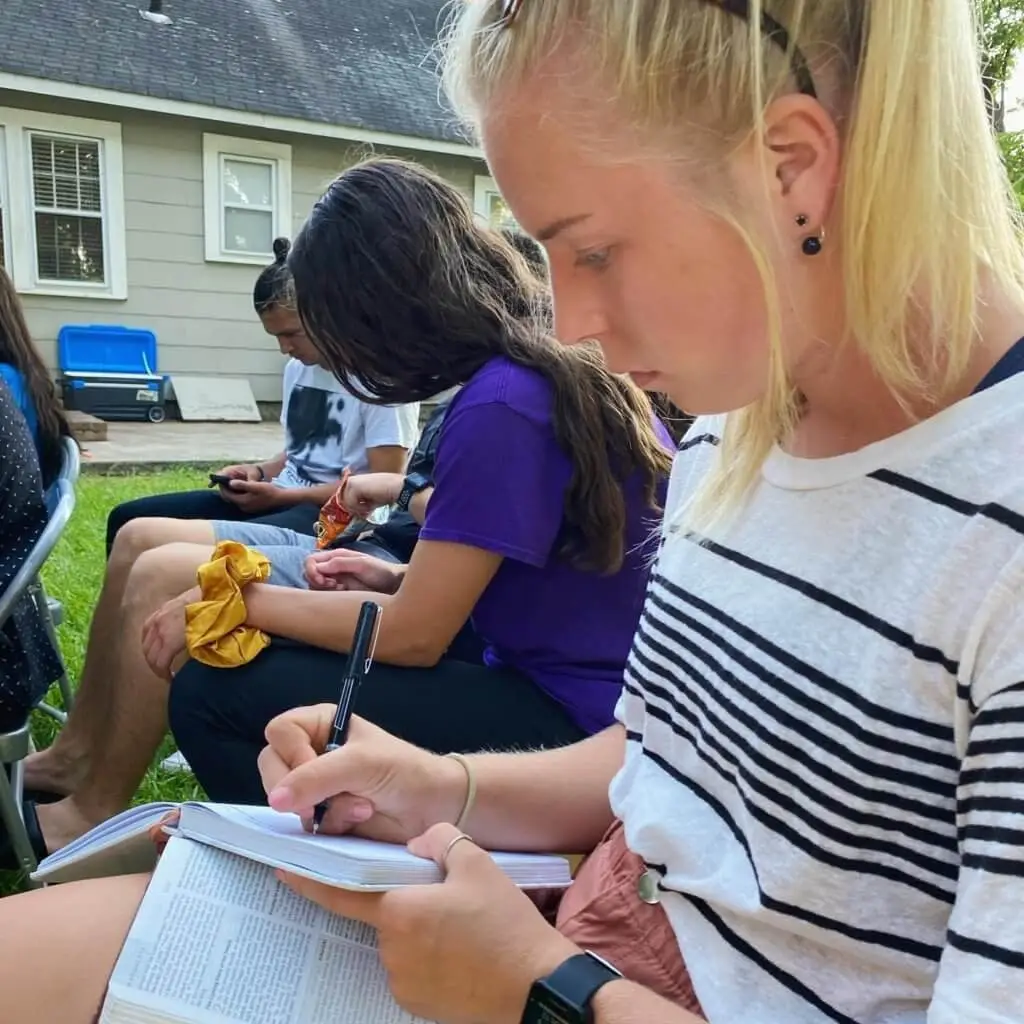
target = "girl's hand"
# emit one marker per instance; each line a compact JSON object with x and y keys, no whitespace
{"x":364,"y":493}
{"x":340,"y":569}
{"x":378,"y":786}
{"x":157,"y":834}
{"x":163,"y":635}
{"x":466,"y":951}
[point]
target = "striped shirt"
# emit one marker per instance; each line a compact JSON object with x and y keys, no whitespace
{"x":824,"y":710}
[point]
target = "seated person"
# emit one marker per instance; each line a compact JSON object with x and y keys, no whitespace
{"x":327,"y":430}
{"x":550,"y":571}
{"x":817,"y":776}
{"x":23,"y":371}
{"x":392,"y":539}
{"x":539,"y":525}
{"x":28,"y":662}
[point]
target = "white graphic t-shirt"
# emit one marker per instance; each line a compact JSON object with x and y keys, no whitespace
{"x":327,"y":429}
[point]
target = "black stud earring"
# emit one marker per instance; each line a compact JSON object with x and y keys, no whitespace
{"x":812,"y":244}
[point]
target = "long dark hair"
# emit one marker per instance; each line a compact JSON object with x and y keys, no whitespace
{"x":529,"y":250}
{"x":405,"y":295}
{"x":17,"y":349}
{"x":273,"y":287}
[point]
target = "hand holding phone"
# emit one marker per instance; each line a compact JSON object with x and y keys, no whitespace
{"x":220,"y":480}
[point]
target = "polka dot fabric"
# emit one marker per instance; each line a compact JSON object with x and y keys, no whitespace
{"x":28,"y":662}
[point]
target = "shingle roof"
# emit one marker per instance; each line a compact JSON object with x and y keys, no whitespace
{"x":360,"y":63}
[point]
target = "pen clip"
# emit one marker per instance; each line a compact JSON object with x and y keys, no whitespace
{"x":373,"y":644}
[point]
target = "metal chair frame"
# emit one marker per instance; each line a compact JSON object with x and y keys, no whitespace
{"x":16,"y":745}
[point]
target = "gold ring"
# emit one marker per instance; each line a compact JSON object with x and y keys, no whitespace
{"x":448,"y":849}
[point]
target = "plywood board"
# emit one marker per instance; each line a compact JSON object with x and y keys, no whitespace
{"x":216,"y":399}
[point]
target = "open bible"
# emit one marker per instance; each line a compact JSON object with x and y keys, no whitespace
{"x":123,"y":845}
{"x":218,"y":940}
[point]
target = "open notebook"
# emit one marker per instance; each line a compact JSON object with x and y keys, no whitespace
{"x":122,"y":845}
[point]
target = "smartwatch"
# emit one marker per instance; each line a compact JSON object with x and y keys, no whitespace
{"x":412,"y":485}
{"x":564,"y":996}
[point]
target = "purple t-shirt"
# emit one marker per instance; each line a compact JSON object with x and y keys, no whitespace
{"x":500,"y":482}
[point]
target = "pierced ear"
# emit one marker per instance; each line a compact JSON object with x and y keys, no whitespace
{"x":802,"y":138}
{"x":792,"y":160}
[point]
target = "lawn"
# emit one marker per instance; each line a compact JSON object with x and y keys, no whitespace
{"x":74,"y":574}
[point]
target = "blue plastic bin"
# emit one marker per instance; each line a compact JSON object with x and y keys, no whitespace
{"x":111,"y":372}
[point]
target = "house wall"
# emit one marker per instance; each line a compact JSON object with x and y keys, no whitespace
{"x":200,"y":311}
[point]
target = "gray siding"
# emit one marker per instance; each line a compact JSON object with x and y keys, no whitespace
{"x":200,"y":312}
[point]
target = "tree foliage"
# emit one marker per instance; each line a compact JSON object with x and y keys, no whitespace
{"x":1001,"y":33}
{"x":1001,"y":27}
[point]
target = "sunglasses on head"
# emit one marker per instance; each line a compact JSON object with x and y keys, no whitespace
{"x":770,"y":28}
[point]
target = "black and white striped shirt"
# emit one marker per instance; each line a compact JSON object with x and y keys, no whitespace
{"x":825,"y":718}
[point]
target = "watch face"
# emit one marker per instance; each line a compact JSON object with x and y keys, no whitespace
{"x":547,"y":1007}
{"x":552,"y":1015}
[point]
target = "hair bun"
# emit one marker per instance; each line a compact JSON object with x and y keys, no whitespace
{"x":281,"y":247}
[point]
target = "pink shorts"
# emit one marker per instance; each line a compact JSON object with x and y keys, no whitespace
{"x":602,"y":911}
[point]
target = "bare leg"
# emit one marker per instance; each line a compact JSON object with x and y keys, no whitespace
{"x":59,"y":945}
{"x":62,"y":767}
{"x":136,"y":718}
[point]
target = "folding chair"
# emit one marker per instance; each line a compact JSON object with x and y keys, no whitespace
{"x":50,"y":608}
{"x":16,"y":745}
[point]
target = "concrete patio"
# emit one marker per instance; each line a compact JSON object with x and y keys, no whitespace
{"x":131,"y":445}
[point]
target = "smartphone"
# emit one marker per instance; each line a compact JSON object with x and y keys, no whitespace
{"x":219,"y":480}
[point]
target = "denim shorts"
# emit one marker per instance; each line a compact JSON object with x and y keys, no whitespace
{"x":286,"y":549}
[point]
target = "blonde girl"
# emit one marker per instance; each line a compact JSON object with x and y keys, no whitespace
{"x":791,"y":218}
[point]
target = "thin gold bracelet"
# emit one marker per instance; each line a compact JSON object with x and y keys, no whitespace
{"x":467,"y":807}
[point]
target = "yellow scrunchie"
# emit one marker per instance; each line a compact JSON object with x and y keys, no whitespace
{"x":215,"y":629}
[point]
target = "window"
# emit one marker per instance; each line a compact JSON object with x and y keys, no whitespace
{"x":62,"y":205}
{"x":488,"y":203}
{"x":247,"y":186}
{"x":67,"y":195}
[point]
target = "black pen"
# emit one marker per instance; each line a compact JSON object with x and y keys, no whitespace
{"x":359,"y":660}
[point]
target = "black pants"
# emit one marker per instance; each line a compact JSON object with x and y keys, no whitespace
{"x":218,"y":716}
{"x":206,"y":505}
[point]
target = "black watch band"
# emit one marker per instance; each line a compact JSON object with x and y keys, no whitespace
{"x":565,"y":995}
{"x":411,"y":486}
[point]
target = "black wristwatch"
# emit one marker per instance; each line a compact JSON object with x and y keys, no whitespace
{"x":412,"y":485}
{"x":565,"y":995}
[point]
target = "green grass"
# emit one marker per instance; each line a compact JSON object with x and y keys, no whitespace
{"x":74,"y":574}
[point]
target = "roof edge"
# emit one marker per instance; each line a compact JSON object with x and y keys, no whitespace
{"x":220,"y":115}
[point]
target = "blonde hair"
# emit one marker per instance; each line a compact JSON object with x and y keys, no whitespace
{"x":925,"y":211}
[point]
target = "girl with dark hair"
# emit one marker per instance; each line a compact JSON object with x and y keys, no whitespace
{"x":326,"y":432}
{"x":547,"y":488}
{"x":23,"y":371}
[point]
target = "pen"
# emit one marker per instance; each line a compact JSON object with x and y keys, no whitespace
{"x":359,"y":660}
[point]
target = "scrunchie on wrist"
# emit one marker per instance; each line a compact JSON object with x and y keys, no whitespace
{"x":215,"y":629}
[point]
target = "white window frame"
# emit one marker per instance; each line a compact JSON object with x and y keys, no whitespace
{"x":17,"y":127}
{"x":5,"y":208}
{"x":483,"y":186}
{"x":217,"y":149}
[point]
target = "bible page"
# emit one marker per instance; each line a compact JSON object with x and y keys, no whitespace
{"x":218,"y":940}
